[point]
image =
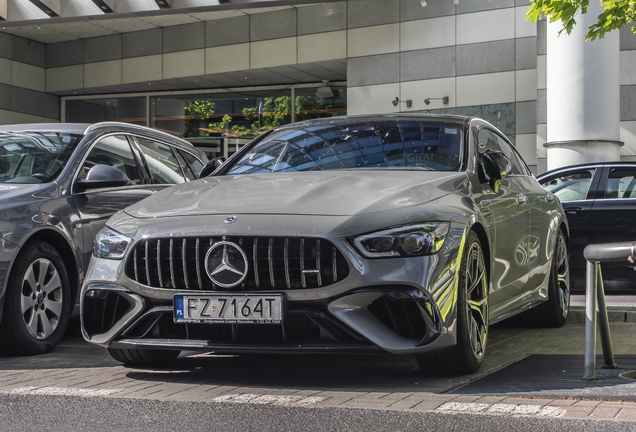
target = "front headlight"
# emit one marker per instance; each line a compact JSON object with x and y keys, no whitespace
{"x":405,"y":241}
{"x":110,"y":244}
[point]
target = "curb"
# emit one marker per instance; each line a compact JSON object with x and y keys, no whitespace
{"x":577,"y":315}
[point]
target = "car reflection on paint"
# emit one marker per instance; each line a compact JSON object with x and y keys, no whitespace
{"x":404,"y":234}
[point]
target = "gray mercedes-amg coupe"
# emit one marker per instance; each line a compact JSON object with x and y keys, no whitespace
{"x":401,"y":234}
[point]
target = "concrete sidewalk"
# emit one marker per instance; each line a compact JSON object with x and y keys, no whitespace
{"x":78,"y":369}
{"x":527,"y":371}
{"x":620,"y":308}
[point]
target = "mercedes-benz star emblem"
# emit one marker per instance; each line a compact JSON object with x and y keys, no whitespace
{"x":230,"y":219}
{"x":226,"y":264}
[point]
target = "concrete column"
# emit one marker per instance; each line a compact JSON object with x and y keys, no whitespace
{"x":583,"y":94}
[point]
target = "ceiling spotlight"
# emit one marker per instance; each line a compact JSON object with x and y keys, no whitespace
{"x":408,"y":102}
{"x":423,"y":3}
{"x":325,"y":91}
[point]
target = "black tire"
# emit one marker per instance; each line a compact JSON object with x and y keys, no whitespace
{"x":468,"y":354}
{"x":554,"y":311}
{"x":144,"y":357}
{"x":40,"y":326}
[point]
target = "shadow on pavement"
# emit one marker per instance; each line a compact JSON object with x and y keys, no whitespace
{"x":321,"y":372}
{"x":72,"y":352}
{"x":521,"y":361}
{"x":557,"y":376}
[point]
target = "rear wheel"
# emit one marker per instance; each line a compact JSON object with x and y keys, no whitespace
{"x":144,"y":357}
{"x":37,"y":302}
{"x":554,"y":311}
{"x":468,"y":354}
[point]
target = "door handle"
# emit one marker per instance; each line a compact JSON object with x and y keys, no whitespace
{"x":549,"y":197}
{"x":522,"y":199}
{"x":574,"y":210}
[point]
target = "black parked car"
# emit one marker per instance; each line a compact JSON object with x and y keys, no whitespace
{"x":600,"y":202}
{"x":59,"y":183}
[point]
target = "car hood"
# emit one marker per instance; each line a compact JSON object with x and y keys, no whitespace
{"x":342,"y":193}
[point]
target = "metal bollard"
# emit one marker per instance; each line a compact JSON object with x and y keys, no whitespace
{"x":603,"y":322}
{"x":595,"y":299}
{"x":590,"y":322}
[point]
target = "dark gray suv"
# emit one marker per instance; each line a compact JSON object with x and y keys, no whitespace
{"x":59,"y":183}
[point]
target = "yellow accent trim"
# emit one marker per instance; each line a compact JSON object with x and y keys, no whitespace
{"x":450,"y":305}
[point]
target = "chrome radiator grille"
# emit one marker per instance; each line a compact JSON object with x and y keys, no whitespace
{"x":274,"y":263}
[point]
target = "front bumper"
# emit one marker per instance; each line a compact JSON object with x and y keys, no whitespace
{"x":8,"y":253}
{"x":398,"y":306}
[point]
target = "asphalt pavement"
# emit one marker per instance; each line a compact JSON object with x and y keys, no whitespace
{"x":76,"y":414}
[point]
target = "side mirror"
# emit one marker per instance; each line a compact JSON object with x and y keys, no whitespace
{"x":103,"y":176}
{"x":212,"y":166}
{"x":497,"y":166}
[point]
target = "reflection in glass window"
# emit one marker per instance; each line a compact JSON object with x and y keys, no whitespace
{"x":571,"y":186}
{"x":621,"y":183}
{"x":34,"y":157}
{"x":355,"y":144}
{"x":184,"y":165}
{"x":113,"y":151}
{"x":124,"y":109}
{"x":163,"y":164}
{"x":195,"y":163}
{"x":489,"y":140}
{"x":244,"y":114}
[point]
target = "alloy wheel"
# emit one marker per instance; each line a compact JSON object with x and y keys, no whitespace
{"x":41,"y":298}
{"x":476,"y":300}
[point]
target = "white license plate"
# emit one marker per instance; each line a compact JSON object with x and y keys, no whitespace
{"x":229,"y":309}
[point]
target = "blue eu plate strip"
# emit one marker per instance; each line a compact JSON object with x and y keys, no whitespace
{"x":178,"y":307}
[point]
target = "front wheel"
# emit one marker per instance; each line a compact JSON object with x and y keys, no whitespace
{"x":468,"y":354}
{"x":37,"y":302}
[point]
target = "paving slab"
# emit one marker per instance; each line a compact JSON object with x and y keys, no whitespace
{"x":528,"y":355}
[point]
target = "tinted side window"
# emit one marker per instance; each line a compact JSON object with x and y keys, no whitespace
{"x":184,"y":165}
{"x":195,"y":163}
{"x":163,"y":164}
{"x":486,"y":141}
{"x":621,"y":183}
{"x":517,"y":167}
{"x":572,"y":186}
{"x":113,"y":151}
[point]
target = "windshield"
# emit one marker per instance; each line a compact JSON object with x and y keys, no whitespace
{"x":34,"y":157}
{"x":355,"y":144}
